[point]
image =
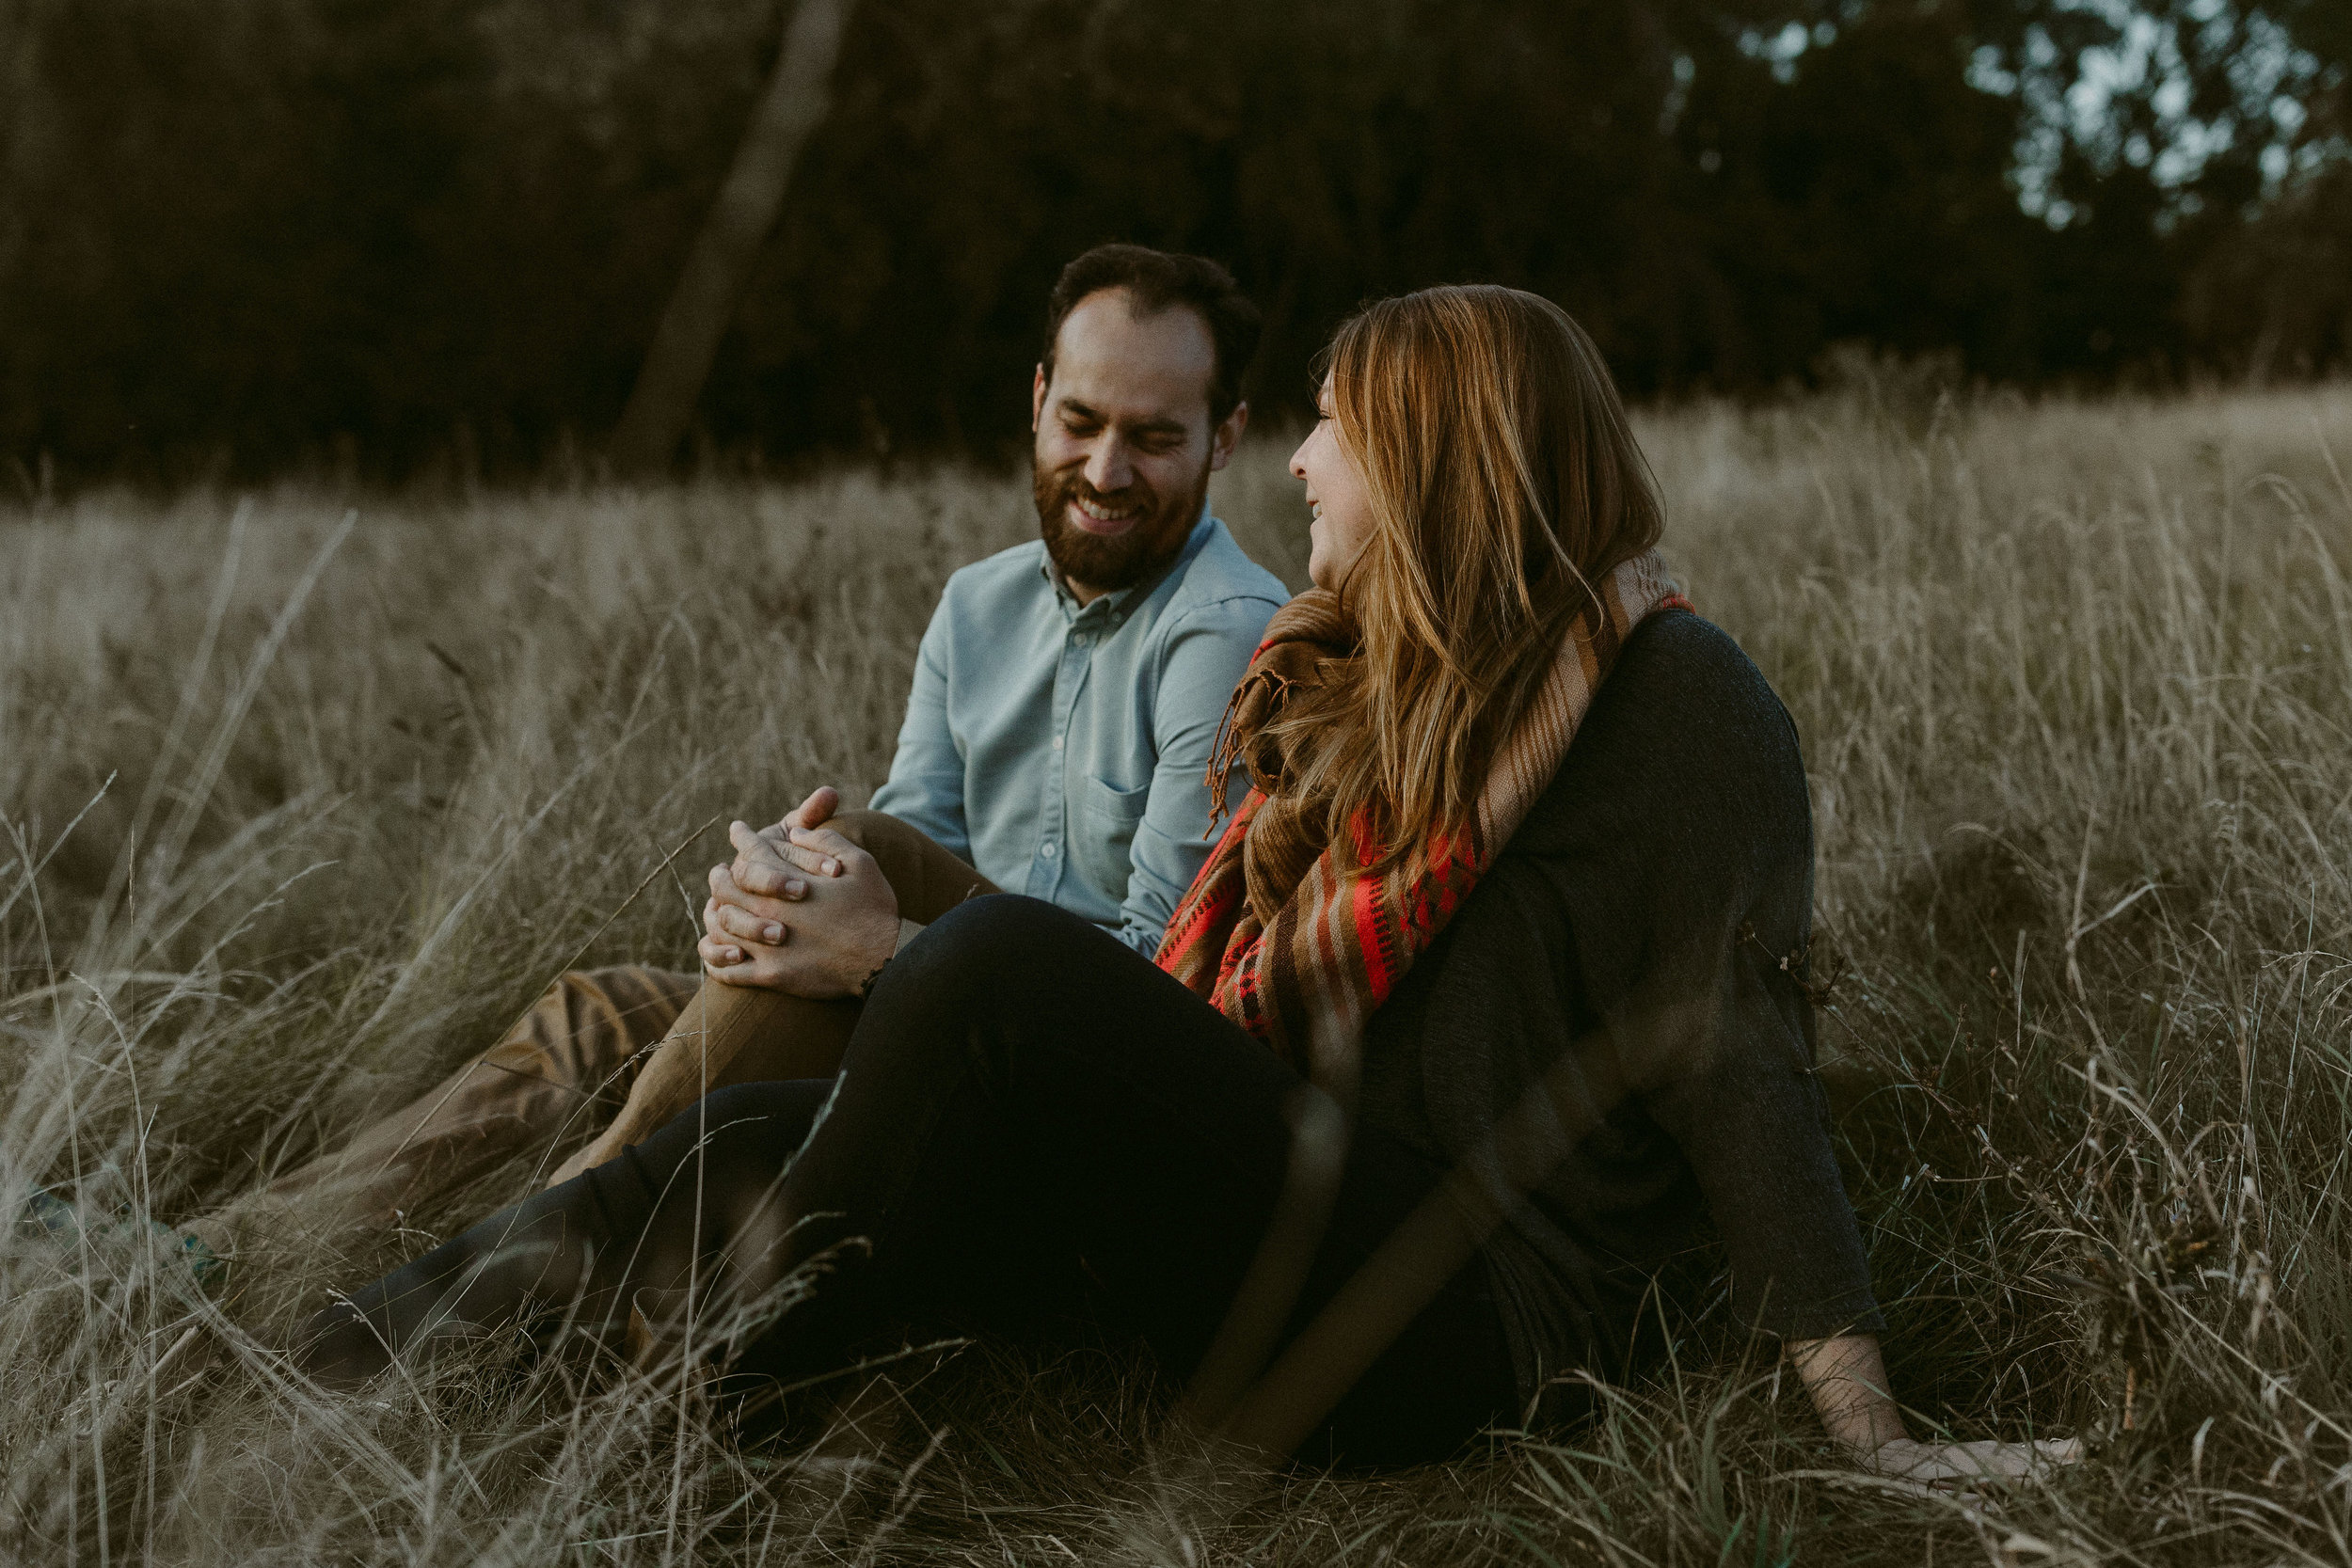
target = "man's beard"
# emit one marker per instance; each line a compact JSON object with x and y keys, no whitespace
{"x":1107,"y":564}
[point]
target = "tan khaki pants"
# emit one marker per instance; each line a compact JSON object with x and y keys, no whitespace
{"x":557,"y":1076}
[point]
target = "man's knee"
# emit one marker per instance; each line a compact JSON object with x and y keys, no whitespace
{"x":865,"y":827}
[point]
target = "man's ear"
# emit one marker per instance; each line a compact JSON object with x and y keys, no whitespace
{"x":1037,"y":400}
{"x":1227,"y":436}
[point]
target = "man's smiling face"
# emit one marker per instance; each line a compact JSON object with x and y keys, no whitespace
{"x":1125,"y":446}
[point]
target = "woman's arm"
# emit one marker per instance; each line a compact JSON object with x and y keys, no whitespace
{"x":1847,"y":1378}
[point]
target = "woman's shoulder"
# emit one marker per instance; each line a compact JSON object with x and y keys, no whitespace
{"x":1686,"y":743}
{"x":1684,"y":664}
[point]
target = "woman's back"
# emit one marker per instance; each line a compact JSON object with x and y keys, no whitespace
{"x":1622,"y":959}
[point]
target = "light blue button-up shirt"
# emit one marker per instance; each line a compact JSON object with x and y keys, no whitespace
{"x":1060,"y":750}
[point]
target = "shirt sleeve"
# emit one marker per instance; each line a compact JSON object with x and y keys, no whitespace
{"x":926,"y":785}
{"x":1201,"y":660}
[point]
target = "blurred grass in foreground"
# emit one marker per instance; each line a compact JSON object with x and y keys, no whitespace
{"x":293,"y":815}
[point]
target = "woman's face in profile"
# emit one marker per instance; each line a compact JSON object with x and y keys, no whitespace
{"x":1336,"y":496}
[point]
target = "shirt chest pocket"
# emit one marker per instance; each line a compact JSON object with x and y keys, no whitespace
{"x":1107,"y":815}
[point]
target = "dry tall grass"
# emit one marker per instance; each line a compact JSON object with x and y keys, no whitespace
{"x":297,"y":812}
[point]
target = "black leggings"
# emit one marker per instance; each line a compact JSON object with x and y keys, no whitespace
{"x":1034,"y":1127}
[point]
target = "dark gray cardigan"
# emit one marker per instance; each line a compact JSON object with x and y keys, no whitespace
{"x":1628,"y":943}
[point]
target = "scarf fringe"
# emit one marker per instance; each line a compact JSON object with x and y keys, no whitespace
{"x":1231,"y":740}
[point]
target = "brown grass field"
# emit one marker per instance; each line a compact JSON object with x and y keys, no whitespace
{"x":297,"y":811}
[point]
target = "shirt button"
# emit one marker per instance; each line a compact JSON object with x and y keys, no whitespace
{"x":1048,"y":850}
{"x":1058,"y":743}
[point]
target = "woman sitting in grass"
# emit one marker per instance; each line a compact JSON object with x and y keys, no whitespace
{"x":1482,"y":1007}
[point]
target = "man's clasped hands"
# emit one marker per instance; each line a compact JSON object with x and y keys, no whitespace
{"x":800,"y":909}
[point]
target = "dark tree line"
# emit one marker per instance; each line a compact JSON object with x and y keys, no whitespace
{"x":288,"y":231}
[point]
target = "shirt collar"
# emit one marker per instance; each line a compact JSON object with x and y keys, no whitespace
{"x":1113,"y":606}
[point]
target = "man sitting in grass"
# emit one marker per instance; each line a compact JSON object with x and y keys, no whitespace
{"x":1057,"y":741}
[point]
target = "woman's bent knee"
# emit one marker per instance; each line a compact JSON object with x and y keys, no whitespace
{"x":981,"y":965}
{"x":1000,"y":940}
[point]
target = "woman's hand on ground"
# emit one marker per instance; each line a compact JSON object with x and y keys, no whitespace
{"x":1960,"y":1464}
{"x":1846,"y":1376}
{"x":841,"y":929}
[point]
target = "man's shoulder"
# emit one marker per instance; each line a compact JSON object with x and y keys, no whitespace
{"x":1018,"y":566}
{"x":994,"y":581}
{"x":1221,"y":572}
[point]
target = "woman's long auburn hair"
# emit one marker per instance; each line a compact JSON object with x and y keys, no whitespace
{"x":1504,"y":483}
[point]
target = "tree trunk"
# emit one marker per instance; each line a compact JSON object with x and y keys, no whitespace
{"x":719,"y":269}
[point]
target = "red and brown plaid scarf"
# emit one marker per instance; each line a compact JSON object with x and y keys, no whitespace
{"x":1281,"y":932}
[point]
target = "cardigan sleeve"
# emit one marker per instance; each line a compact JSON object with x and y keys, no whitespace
{"x":1606,"y":1035}
{"x":1687,"y":882}
{"x":1731,"y":1082}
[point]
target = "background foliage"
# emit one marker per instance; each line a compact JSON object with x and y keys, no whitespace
{"x":338,"y":233}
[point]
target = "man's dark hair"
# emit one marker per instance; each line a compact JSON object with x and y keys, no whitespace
{"x":1158,"y":279}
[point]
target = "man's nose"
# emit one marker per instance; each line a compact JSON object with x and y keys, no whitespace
{"x":1109,"y":466}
